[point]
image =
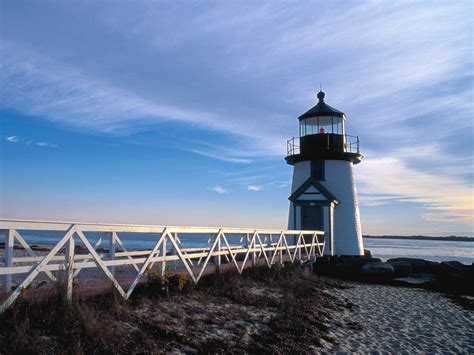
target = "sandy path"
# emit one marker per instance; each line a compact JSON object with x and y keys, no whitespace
{"x":396,"y":319}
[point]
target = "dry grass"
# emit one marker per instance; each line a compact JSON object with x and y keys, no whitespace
{"x":283,"y":309}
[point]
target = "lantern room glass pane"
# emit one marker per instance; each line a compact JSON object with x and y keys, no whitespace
{"x":325,"y":124}
{"x":322,"y":125}
{"x":311,"y":125}
{"x":337,"y":125}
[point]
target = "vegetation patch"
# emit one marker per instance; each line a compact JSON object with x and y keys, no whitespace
{"x":278,"y":310}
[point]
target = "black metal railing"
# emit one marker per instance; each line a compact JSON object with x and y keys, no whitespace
{"x":291,"y":147}
{"x":351,"y":144}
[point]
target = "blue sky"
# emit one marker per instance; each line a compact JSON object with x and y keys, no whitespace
{"x":178,"y":112}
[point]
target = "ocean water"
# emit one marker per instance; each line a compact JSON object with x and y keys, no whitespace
{"x":424,"y":249}
{"x":131,"y":241}
{"x":380,"y":248}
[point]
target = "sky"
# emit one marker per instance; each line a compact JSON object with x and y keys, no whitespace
{"x":178,"y":112}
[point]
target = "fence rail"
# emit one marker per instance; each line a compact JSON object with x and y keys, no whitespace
{"x":249,"y":246}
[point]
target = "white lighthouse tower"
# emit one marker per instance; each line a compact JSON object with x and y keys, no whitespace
{"x":323,"y":192}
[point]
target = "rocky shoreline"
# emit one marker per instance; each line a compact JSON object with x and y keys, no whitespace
{"x":447,"y":276}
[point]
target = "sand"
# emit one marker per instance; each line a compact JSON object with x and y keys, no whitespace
{"x":382,"y":319}
{"x":398,"y":319}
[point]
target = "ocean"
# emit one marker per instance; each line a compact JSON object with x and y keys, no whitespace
{"x":424,"y":249}
{"x":380,"y":248}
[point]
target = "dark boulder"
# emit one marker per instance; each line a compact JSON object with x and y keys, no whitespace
{"x":354,"y":264}
{"x":432,"y":267}
{"x":401,"y":268}
{"x":376,"y":272}
{"x":454,"y":267}
{"x":367,"y":253}
{"x":377,"y":268}
{"x":417,"y":265}
{"x":339,"y":265}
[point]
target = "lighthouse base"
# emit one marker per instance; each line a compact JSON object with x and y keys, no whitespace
{"x":324,"y":197}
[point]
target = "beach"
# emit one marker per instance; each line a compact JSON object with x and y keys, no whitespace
{"x":396,"y":319}
{"x":276,"y":310}
{"x":280,"y":310}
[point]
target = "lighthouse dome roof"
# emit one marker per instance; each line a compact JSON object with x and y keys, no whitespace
{"x":321,"y":109}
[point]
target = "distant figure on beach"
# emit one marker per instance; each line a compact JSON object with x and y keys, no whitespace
{"x":322,"y":131}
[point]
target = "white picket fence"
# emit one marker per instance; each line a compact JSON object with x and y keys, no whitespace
{"x":272,"y":246}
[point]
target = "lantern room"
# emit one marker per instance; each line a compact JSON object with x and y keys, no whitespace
{"x":323,"y":136}
{"x":322,"y":119}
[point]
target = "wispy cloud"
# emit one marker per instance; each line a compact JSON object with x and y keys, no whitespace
{"x":12,"y":139}
{"x":46,"y":144}
{"x":66,"y":94}
{"x":255,"y":188}
{"x":221,"y":157}
{"x":219,"y":189}
{"x":16,"y":139}
{"x":389,"y":179}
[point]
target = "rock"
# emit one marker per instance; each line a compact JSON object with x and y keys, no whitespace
{"x":417,"y":265}
{"x":354,"y":264}
{"x":377,"y":268}
{"x":415,"y":281}
{"x":367,"y":253}
{"x":432,"y":267}
{"x":401,"y":268}
{"x":456,"y":277}
{"x":454,"y":267}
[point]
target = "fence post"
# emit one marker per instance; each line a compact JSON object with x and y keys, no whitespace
{"x":69,"y":266}
{"x":218,"y":258}
{"x":301,"y":237}
{"x":254,"y":254}
{"x":283,"y":236}
{"x":8,"y":258}
{"x":174,"y":264}
{"x":270,"y":254}
{"x":314,"y":244}
{"x":163,"y":255}
{"x":112,"y":239}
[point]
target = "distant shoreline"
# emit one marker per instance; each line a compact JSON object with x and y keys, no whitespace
{"x":452,"y":238}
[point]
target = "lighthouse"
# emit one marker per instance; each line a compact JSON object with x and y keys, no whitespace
{"x":323,"y":191}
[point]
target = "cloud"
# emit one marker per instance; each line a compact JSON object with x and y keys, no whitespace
{"x":255,"y":188}
{"x":42,"y":86}
{"x":221,"y":157}
{"x":389,"y":179}
{"x":16,"y":139}
{"x":219,"y":189}
{"x":12,"y":139}
{"x":46,"y":144}
{"x":253,"y":70}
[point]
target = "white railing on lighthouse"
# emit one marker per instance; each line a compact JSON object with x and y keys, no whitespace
{"x":236,"y":247}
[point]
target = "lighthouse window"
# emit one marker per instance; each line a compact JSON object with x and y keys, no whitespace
{"x":310,"y":126}
{"x":325,"y":124}
{"x":322,"y":125}
{"x":337,"y":125}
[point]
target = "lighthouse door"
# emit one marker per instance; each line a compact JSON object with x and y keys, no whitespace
{"x":312,"y":218}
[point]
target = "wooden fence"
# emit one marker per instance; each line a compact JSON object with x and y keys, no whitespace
{"x":248,"y":246}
